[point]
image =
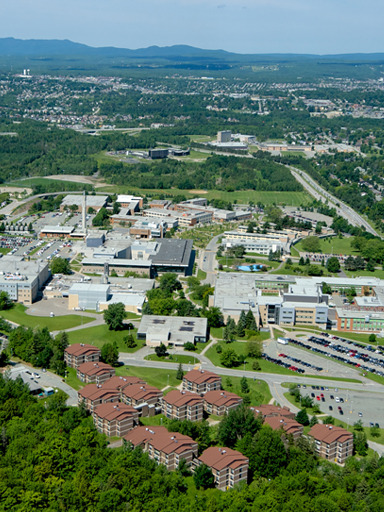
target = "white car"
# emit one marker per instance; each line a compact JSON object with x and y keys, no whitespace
{"x":337,"y":399}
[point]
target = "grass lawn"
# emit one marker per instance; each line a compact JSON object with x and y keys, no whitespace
{"x":240,"y":348}
{"x":18,"y":315}
{"x":72,"y":380}
{"x":157,"y":420}
{"x":30,"y":182}
{"x":376,"y":273}
{"x":100,"y":335}
{"x":181,"y":358}
{"x":333,"y":245}
{"x":152,"y":376}
{"x":4,"y":250}
{"x":259,"y":390}
{"x":201,"y":275}
{"x":216,"y":332}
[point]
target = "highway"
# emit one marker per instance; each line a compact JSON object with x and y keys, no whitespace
{"x":320,"y":193}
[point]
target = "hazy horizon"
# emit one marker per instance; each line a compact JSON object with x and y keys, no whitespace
{"x":241,"y":26}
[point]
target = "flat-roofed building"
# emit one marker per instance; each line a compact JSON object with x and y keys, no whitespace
{"x":56,"y":231}
{"x":79,"y":353}
{"x":288,"y":425}
{"x":229,"y":467}
{"x":96,"y":372}
{"x":146,"y":399}
{"x":22,"y":280}
{"x":115,"y":419}
{"x":220,"y":402}
{"x":172,"y":330}
{"x":125,"y":200}
{"x":168,"y":448}
{"x":201,"y":381}
{"x":182,"y":405}
{"x":87,"y":295}
{"x":96,"y":202}
{"x":332,"y":443}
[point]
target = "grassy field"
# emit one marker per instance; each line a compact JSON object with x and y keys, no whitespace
{"x":152,"y":376}
{"x":72,"y":380}
{"x":259,"y":390}
{"x":177,"y":358}
{"x":333,"y":245}
{"x":376,"y":273}
{"x":58,"y":323}
{"x":240,"y":348}
{"x":100,"y":335}
{"x":64,"y":184}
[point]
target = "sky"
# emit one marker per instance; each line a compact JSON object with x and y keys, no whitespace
{"x":242,"y":26}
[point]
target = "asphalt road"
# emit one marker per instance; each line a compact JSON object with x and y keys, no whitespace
{"x":207,"y":260}
{"x":320,"y":193}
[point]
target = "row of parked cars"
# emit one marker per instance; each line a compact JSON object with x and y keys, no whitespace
{"x":354,"y":356}
{"x":304,"y":363}
{"x":282,"y":363}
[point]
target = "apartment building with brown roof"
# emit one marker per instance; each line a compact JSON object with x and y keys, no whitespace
{"x":96,"y":372}
{"x":167,"y":448}
{"x":221,"y":402}
{"x":288,"y":425}
{"x":269,"y":411}
{"x":201,"y":381}
{"x":229,"y":467}
{"x":182,"y":405}
{"x":143,"y":397}
{"x":93,"y":395}
{"x":80,"y":353}
{"x":332,"y":443}
{"x":115,"y":419}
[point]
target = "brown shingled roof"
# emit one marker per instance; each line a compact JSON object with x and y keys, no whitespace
{"x":329,"y":433}
{"x":141,"y":391}
{"x":121,"y":382}
{"x":222,"y":398}
{"x":94,"y":368}
{"x":201,"y":376}
{"x":289,"y":425}
{"x":272,"y":410}
{"x":180,"y":398}
{"x":95,"y":392}
{"x":161,"y":439}
{"x":79,"y":349}
{"x":112,"y":411}
{"x":220,"y":458}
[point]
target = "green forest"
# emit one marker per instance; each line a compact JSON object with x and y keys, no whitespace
{"x":52,"y":459}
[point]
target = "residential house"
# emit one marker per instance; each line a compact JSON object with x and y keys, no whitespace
{"x":201,"y":381}
{"x":332,"y":443}
{"x":115,"y":419}
{"x":221,"y":402}
{"x":167,"y":448}
{"x":269,"y":411}
{"x":229,"y":467}
{"x":95,"y":372}
{"x":182,"y":405}
{"x":146,"y":399}
{"x":288,"y":425}
{"x":80,"y":353}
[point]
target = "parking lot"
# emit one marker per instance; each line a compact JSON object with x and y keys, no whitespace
{"x":362,"y":357}
{"x":347,"y":405}
{"x":291,"y":354}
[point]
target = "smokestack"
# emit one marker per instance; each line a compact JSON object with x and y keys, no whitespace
{"x":84,"y":213}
